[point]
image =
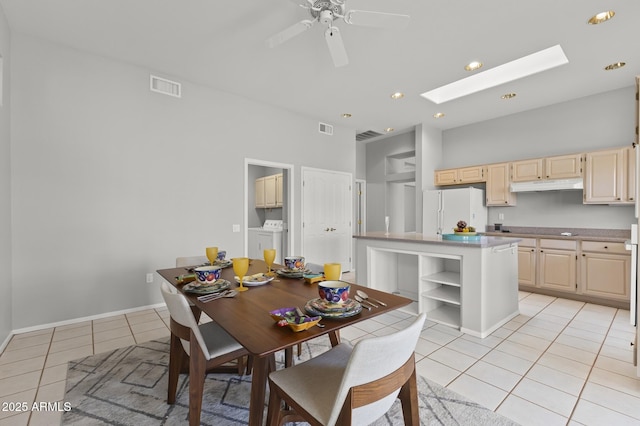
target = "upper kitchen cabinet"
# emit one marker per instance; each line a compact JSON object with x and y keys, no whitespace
{"x":527,"y":170}
{"x":498,"y":180}
{"x":607,"y":177}
{"x":472,"y":174}
{"x":560,"y":167}
{"x":563,"y":166}
{"x":445,"y":177}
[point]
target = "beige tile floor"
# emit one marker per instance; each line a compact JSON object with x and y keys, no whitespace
{"x":559,"y":362}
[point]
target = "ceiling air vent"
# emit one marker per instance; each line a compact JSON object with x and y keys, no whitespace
{"x":166,"y":87}
{"x":367,"y":135}
{"x":327,"y":129}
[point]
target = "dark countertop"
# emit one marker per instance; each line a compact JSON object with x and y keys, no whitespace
{"x":483,"y":242}
{"x":577,"y":234}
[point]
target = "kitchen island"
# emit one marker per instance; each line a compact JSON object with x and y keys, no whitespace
{"x":470,"y":284}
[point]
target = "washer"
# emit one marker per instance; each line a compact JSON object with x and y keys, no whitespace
{"x":267,"y":236}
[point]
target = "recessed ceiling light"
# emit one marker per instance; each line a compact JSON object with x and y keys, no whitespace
{"x":346,"y":115}
{"x":514,"y":70}
{"x":397,"y":95}
{"x":615,"y":66}
{"x":472,"y":66}
{"x":389,"y":129}
{"x":601,"y":17}
{"x":438,"y":115}
{"x":508,"y":96}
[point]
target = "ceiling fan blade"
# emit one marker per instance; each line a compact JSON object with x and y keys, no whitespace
{"x":303,"y":3}
{"x":367,"y":18}
{"x":336,"y":46}
{"x":290,"y":32}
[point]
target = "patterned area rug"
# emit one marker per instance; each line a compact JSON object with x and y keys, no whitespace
{"x":128,"y":386}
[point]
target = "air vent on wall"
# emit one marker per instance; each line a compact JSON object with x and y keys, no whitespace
{"x":166,"y":87}
{"x":367,"y":135}
{"x":327,"y":129}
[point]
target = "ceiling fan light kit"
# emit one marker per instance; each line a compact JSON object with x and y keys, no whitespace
{"x":327,"y":11}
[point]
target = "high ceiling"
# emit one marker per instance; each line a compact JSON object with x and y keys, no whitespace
{"x":222,"y":45}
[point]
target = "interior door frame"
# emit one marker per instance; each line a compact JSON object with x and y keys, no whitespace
{"x":303,"y":169}
{"x":288,"y":233}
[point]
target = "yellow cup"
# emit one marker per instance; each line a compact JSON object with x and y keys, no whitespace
{"x":332,"y":271}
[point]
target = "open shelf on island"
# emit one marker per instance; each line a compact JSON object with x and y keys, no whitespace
{"x":444,"y":277}
{"x":445,"y":314}
{"x":449,"y":294}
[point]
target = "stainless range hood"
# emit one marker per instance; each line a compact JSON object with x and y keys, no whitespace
{"x":547,"y":185}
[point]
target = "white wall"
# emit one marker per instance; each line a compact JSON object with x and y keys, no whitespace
{"x":5,"y":182}
{"x":587,"y":124}
{"x":112,"y":181}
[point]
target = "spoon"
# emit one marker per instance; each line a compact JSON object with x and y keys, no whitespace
{"x":301,"y":314}
{"x":209,"y":298}
{"x":362,"y":301}
{"x":366,"y":296}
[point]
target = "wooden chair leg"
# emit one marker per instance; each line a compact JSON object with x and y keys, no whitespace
{"x":197,"y":373}
{"x":175,"y":363}
{"x":288,"y":357}
{"x":240,"y":362}
{"x":249,"y":365}
{"x":299,"y":350}
{"x":409,"y":398}
{"x":273,"y":410}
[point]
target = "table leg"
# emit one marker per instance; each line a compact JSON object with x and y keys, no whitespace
{"x":334,"y":337}
{"x":261,"y":368}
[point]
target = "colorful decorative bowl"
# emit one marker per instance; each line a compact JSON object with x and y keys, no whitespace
{"x":294,"y":263}
{"x":290,"y":317}
{"x":207,"y":274}
{"x":336,"y":292}
{"x":222,"y":254}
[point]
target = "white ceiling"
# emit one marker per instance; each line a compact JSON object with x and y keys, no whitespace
{"x":222,"y":45}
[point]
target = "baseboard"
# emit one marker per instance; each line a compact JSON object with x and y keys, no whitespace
{"x":77,"y":320}
{"x":6,"y":342}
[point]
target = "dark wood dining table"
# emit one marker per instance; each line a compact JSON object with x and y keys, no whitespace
{"x":246,"y":318}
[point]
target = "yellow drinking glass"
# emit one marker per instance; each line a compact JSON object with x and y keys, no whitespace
{"x":240,"y":267}
{"x":332,"y":271}
{"x":269,"y":257}
{"x":212,"y":254}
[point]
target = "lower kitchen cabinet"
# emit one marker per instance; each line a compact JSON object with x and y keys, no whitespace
{"x":605,"y":270}
{"x":527,"y":262}
{"x":558,"y":265}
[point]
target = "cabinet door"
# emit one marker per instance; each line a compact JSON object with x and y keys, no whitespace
{"x":606,"y":275}
{"x":270,"y":191}
{"x":260,"y":193}
{"x":603,"y":176}
{"x":630,"y":174}
{"x":563,"y":167}
{"x":279,"y":190}
{"x":558,"y":270}
{"x":472,"y":174}
{"x":527,"y":266}
{"x":498,"y":180}
{"x":527,"y":170}
{"x":446,"y":177}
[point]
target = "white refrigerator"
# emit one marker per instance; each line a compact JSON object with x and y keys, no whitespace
{"x":442,"y":209}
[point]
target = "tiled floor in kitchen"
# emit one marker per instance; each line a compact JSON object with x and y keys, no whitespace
{"x":559,"y":362}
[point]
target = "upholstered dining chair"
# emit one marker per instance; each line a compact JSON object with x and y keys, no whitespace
{"x":208,"y":347}
{"x":350,"y":385}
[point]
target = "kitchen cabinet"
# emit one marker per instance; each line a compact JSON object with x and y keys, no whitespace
{"x":472,"y":174}
{"x":563,"y":166}
{"x":498,"y":180}
{"x":607,"y":177}
{"x":630,"y":161}
{"x":559,"y":167}
{"x":527,"y":262}
{"x":527,"y":170}
{"x":558,"y":260}
{"x":605,"y":269}
{"x":445,"y":177}
{"x":269,"y":191}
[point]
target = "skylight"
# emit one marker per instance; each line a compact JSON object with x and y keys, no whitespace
{"x":523,"y":67}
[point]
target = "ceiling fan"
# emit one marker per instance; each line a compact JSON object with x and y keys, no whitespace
{"x":327,"y":11}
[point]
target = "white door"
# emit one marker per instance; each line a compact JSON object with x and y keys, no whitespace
{"x":326,"y":217}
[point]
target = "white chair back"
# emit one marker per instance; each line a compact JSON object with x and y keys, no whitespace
{"x":372,"y":359}
{"x":181,"y":313}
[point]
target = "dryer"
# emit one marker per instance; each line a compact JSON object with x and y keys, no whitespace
{"x":267,"y":236}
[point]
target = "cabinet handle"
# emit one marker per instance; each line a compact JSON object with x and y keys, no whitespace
{"x":606,"y":247}
{"x":541,"y":251}
{"x":506,"y":202}
{"x":327,"y":230}
{"x":532,"y":250}
{"x":584,"y":255}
